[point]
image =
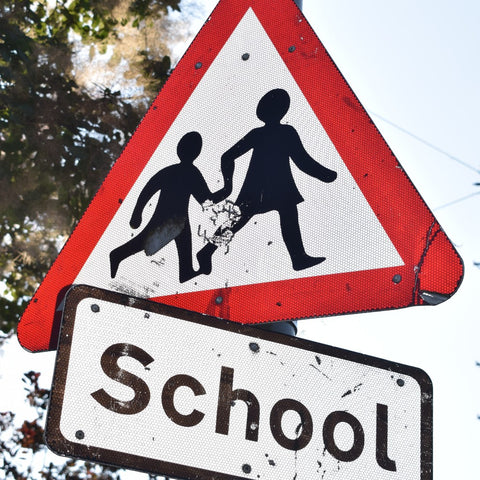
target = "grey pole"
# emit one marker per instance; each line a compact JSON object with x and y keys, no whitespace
{"x":288,"y":327}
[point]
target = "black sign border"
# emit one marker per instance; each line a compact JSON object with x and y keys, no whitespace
{"x":61,"y":446}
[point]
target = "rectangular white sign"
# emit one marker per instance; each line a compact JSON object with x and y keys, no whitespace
{"x":154,"y":388}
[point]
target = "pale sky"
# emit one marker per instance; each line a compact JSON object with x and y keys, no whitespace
{"x":415,"y":65}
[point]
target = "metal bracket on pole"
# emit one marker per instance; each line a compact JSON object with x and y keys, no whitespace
{"x":287,"y":327}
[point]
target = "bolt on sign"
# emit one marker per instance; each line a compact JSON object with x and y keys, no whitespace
{"x":151,"y":387}
{"x":255,"y":189}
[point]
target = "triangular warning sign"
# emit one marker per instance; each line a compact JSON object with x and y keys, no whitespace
{"x":255,"y":189}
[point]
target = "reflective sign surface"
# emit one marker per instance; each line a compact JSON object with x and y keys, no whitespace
{"x":256,"y":189}
{"x":146,"y":386}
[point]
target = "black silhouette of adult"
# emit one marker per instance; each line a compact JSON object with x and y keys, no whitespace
{"x":170,"y":219}
{"x":269,"y":183}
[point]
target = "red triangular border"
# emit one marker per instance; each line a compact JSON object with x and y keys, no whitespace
{"x":430,"y":261}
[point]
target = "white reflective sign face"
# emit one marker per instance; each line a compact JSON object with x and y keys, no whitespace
{"x":149,"y":387}
{"x":335,"y":219}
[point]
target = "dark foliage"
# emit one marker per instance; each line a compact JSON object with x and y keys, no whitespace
{"x":57,"y":139}
{"x":20,"y":443}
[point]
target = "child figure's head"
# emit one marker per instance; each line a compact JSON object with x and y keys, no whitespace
{"x":273,"y":106}
{"x":189,"y":147}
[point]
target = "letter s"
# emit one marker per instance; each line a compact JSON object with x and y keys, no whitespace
{"x":110,"y":366}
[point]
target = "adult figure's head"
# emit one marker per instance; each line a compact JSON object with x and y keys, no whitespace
{"x":189,"y":147}
{"x":273,"y":106}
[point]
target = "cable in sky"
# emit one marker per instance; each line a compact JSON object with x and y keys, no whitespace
{"x":425,"y":142}
{"x":458,"y":200}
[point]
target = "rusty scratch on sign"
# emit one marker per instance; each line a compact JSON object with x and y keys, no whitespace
{"x":318,"y":370}
{"x":131,"y":289}
{"x":159,"y":263}
{"x":224,"y":216}
{"x":430,"y":237}
{"x":355,"y":389}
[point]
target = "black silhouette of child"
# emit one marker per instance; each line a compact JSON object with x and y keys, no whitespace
{"x":170,"y":219}
{"x":269,"y":183}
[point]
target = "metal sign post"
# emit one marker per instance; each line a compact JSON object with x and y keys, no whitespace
{"x":288,"y":327}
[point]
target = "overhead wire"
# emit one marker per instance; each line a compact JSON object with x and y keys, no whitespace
{"x":427,"y":143}
{"x":439,"y":150}
{"x":458,"y":200}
